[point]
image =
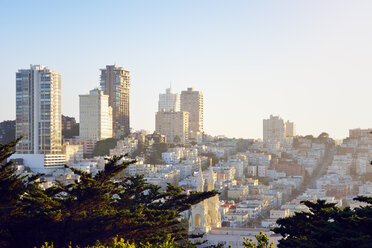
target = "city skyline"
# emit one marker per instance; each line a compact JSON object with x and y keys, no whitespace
{"x":308,"y":63}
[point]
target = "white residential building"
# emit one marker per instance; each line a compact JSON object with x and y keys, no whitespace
{"x":38,"y":111}
{"x":273,"y":130}
{"x":174,"y":125}
{"x":290,"y":129}
{"x":126,"y":146}
{"x":95,"y":116}
{"x":169,"y":101}
{"x":276,"y":214}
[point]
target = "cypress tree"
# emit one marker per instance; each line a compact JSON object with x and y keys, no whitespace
{"x":92,"y":208}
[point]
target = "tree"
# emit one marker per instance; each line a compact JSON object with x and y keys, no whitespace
{"x":12,"y":187}
{"x":262,"y":242}
{"x":7,"y":131}
{"x":243,"y":145}
{"x":211,"y":155}
{"x":71,"y":133}
{"x":169,"y":243}
{"x":155,"y":155}
{"x":92,"y":208}
{"x":177,"y":139}
{"x":103,"y":147}
{"x":326,"y":225}
{"x":323,"y":135}
{"x":140,"y":150}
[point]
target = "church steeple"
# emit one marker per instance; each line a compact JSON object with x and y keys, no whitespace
{"x":210,"y":177}
{"x":205,"y":215}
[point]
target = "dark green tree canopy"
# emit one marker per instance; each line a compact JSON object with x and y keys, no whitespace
{"x":93,"y":208}
{"x":103,"y":147}
{"x":328,"y":226}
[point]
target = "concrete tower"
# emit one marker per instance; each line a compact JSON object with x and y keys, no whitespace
{"x":95,"y":116}
{"x":38,"y":110}
{"x":192,"y":102}
{"x":115,"y":82}
{"x":169,"y":101}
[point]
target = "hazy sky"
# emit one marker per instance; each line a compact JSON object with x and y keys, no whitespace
{"x":308,"y":61}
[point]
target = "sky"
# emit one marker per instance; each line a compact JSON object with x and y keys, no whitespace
{"x":308,"y":61}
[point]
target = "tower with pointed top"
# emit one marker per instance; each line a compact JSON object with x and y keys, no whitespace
{"x":205,"y":215}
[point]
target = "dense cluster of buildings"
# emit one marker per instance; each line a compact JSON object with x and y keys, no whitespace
{"x":104,"y":113}
{"x":180,"y":121}
{"x":259,"y":181}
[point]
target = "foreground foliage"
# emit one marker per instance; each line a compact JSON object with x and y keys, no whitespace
{"x":328,"y":226}
{"x":168,"y":243}
{"x":262,"y":242}
{"x":92,"y":208}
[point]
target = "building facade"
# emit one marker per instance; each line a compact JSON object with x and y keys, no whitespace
{"x":174,"y":125}
{"x":205,"y":215}
{"x":192,"y":102}
{"x":95,"y":116}
{"x":68,"y":123}
{"x":7,"y":131}
{"x":273,"y":129}
{"x":115,"y":82}
{"x":169,"y":101}
{"x":290,"y":129}
{"x":38,"y":110}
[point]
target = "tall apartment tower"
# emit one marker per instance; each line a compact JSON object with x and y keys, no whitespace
{"x":290,"y":129}
{"x":273,"y":129}
{"x":169,"y":101}
{"x":115,"y":82}
{"x":38,"y":110}
{"x":192,"y":102}
{"x":174,"y":125}
{"x":95,"y":116}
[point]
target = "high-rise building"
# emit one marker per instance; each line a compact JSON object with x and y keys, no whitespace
{"x":38,"y":110}
{"x":290,"y":129}
{"x":174,"y":125}
{"x":115,"y":82}
{"x":192,"y":102}
{"x":169,"y":101}
{"x":95,"y":116}
{"x":273,"y":129}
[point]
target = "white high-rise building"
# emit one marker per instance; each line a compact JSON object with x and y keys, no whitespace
{"x":273,"y":130}
{"x":290,"y":129}
{"x":174,"y":125}
{"x":95,"y":116}
{"x":192,"y":102}
{"x":38,"y":111}
{"x":169,"y":101}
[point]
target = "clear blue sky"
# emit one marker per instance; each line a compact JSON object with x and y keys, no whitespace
{"x":309,"y":61}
